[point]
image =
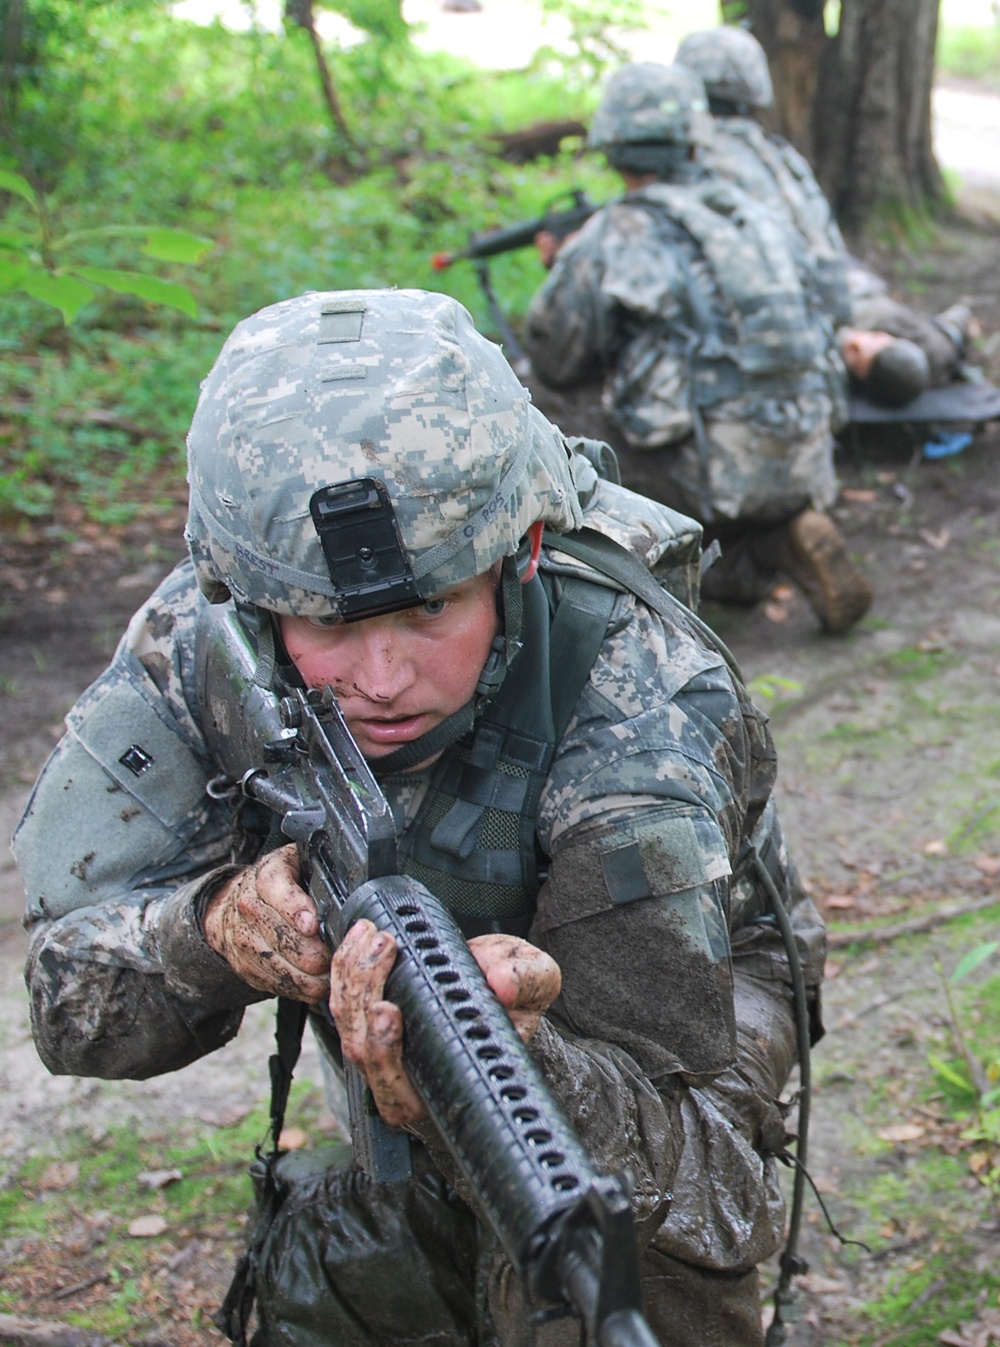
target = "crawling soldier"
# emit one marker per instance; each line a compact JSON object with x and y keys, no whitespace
{"x":576,"y":772}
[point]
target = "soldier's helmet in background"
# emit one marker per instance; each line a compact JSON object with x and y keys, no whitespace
{"x":312,"y":398}
{"x":732,"y":65}
{"x":899,"y":373}
{"x":644,"y":103}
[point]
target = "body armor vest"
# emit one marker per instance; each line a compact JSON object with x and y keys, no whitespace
{"x":473,"y":842}
{"x":754,"y":324}
{"x":740,"y":147}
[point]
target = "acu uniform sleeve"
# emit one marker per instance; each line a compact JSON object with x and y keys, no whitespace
{"x":668,"y":1060}
{"x":117,"y":847}
{"x":656,"y":1004}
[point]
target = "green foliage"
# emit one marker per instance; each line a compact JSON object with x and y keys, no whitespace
{"x":973,"y":1081}
{"x":51,"y":55}
{"x":225,"y":135}
{"x":594,"y":35}
{"x":771,"y":687}
{"x":37,"y":261}
{"x":970,"y":53}
{"x":383,"y":19}
{"x":100,"y":422}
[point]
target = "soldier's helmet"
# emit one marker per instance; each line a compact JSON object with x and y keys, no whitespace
{"x":361,"y":451}
{"x":644,"y":103}
{"x":732,"y":64}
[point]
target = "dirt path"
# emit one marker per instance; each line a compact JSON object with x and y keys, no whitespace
{"x":890,"y":788}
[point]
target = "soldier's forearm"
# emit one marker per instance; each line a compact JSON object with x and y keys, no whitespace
{"x":131,"y":990}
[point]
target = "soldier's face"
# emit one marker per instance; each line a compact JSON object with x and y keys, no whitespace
{"x":399,"y":675}
{"x":859,"y":349}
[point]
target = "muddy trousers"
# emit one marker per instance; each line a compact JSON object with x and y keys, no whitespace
{"x":348,"y":1263}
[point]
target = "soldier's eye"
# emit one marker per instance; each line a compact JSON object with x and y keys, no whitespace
{"x":432,"y":607}
{"x":325,"y":620}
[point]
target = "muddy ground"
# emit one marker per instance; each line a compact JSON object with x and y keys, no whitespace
{"x":889,"y":744}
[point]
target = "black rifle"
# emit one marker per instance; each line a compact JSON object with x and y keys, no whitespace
{"x":497,"y":241}
{"x":558,"y":222}
{"x":568,"y":1230}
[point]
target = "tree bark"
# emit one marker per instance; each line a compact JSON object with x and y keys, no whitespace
{"x":856,"y":103}
{"x":11,"y":40}
{"x":300,"y":12}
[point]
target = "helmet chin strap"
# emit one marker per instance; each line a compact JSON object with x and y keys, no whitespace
{"x":429,"y":745}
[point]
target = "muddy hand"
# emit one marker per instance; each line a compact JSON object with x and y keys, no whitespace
{"x":371,"y":1028}
{"x":265,"y":927}
{"x":523,"y":978}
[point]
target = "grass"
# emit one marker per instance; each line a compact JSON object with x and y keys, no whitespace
{"x":916,"y":1203}
{"x":50,"y":1243}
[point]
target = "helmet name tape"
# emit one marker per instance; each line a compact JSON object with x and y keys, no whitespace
{"x":363,"y":548}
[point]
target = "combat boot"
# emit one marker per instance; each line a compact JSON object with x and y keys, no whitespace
{"x":811,"y":551}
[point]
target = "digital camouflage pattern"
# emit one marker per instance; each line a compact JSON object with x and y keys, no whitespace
{"x":396,"y":385}
{"x":647,"y":103}
{"x":656,"y":758}
{"x":731,"y":63}
{"x":689,"y":300}
{"x":673,"y":1035}
{"x":771,"y":170}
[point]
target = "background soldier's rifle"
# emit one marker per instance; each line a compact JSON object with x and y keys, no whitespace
{"x":567,"y":1229}
{"x":559,"y":223}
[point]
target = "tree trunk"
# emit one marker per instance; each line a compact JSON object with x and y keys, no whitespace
{"x":856,"y":103}
{"x":11,"y":41}
{"x":300,"y":12}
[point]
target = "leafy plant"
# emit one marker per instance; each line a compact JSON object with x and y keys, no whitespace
{"x":38,"y":261}
{"x":593,"y":25}
{"x":976,"y":1079}
{"x":383,"y":19}
{"x":767,"y":687}
{"x":226,"y":134}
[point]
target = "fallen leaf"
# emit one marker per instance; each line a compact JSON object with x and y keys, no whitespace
{"x":901,"y":1132}
{"x":227,"y":1116}
{"x":989,"y":865}
{"x":292,"y":1139}
{"x":939,"y":541}
{"x":951,"y":1339}
{"x":841,"y":901}
{"x":55,"y":596}
{"x":820,"y":1286}
{"x":160,"y":1178}
{"x":936,"y":847}
{"x":783,"y":593}
{"x":859,"y":495}
{"x":59,"y":1175}
{"x":775,"y":612}
{"x":147,"y":1227}
{"x":831,"y":969}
